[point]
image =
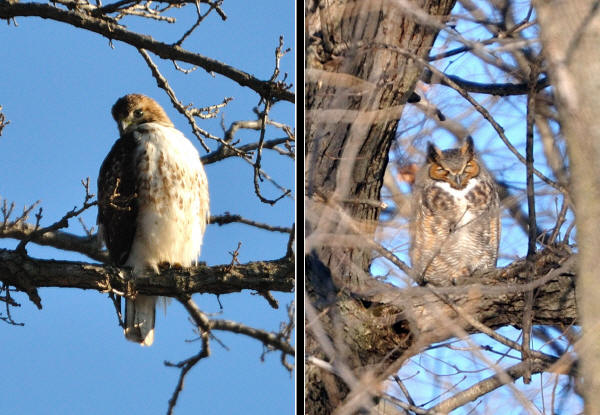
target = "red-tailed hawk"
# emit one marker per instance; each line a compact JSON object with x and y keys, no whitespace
{"x":152,"y":201}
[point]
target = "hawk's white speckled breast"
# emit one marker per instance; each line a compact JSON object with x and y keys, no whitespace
{"x":173,"y":200}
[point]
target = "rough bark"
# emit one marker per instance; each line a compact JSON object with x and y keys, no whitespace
{"x":359,"y":76}
{"x":570,"y":33}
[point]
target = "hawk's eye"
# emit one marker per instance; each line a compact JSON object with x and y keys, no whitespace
{"x":138,"y":113}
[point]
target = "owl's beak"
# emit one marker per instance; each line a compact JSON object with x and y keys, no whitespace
{"x":459,"y":180}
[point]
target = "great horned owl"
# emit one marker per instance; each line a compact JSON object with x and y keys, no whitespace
{"x":455,"y":226}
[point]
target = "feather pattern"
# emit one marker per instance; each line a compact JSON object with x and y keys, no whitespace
{"x":455,"y":227}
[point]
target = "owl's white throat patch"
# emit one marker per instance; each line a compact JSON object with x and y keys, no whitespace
{"x":458,"y":193}
{"x":460,"y":200}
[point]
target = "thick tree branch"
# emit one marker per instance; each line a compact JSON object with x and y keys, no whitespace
{"x":496,"y":299}
{"x":500,"y":89}
{"x":22,"y":272}
{"x":389,"y":320}
{"x":112,"y":31}
{"x":569,"y":35}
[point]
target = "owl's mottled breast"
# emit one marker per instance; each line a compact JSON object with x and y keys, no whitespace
{"x":482,"y":194}
{"x":437,"y":200}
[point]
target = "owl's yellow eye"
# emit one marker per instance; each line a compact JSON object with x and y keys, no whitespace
{"x":472,"y":168}
{"x":437,"y":172}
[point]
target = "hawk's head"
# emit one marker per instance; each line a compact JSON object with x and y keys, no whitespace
{"x":135,"y":109}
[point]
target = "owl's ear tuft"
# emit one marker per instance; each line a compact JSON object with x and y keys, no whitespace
{"x":433,"y":153}
{"x":467,"y":147}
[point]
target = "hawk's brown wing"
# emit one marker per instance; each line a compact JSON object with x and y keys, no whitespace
{"x":117,"y":205}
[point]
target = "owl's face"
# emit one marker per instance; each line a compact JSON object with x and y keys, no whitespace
{"x":455,"y":166}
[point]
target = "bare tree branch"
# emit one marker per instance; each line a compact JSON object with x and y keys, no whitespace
{"x":204,"y":325}
{"x":20,"y":271}
{"x":489,"y":384}
{"x":89,"y":245}
{"x":61,"y":223}
{"x":85,"y":245}
{"x":112,"y":31}
{"x":502,"y":90}
{"x":229,"y":218}
{"x":202,"y":322}
{"x":224,"y":152}
{"x":267,"y":338}
{"x":164,"y":84}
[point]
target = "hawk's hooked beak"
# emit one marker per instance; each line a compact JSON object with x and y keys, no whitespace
{"x":123,"y":125}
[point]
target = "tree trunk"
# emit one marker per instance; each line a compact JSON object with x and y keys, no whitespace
{"x":360,"y":74}
{"x":570,"y":33}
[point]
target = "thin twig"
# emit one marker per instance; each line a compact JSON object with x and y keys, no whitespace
{"x":229,"y":218}
{"x":202,"y":322}
{"x":3,"y":121}
{"x":488,"y":385}
{"x":213,"y":6}
{"x":61,"y":223}
{"x":267,"y":338}
{"x":486,"y":115}
{"x":164,"y":84}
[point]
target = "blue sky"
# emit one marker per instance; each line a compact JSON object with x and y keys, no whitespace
{"x":59,"y":85}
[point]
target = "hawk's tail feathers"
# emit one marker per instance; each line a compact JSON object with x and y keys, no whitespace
{"x":139,"y":319}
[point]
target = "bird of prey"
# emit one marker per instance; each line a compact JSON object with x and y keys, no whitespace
{"x":153,"y":203}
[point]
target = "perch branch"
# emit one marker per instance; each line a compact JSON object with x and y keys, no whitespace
{"x":275,"y":275}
